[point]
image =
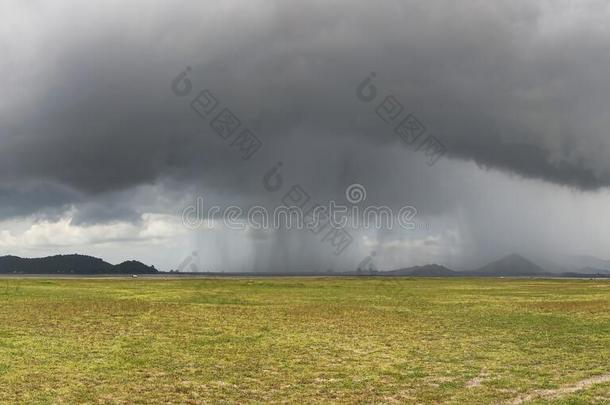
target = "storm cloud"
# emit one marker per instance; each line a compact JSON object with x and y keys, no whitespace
{"x":512,"y":87}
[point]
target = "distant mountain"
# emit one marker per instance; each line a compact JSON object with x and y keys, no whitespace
{"x":575,"y":265}
{"x":69,"y":264}
{"x":430,"y":270}
{"x":593,"y":270}
{"x":552,"y":267}
{"x":134,"y":267}
{"x":581,"y":263}
{"x":510,"y":266}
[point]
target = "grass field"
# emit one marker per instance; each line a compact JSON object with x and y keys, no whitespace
{"x":304,"y":340}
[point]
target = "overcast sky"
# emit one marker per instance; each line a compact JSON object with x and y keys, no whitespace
{"x":99,"y":155}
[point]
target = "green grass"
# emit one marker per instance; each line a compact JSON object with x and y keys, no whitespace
{"x":301,"y":340}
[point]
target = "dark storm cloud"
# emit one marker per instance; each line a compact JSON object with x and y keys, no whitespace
{"x":44,"y":200}
{"x":518,"y":86}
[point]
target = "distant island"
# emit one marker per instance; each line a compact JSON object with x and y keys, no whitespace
{"x":70,"y":264}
